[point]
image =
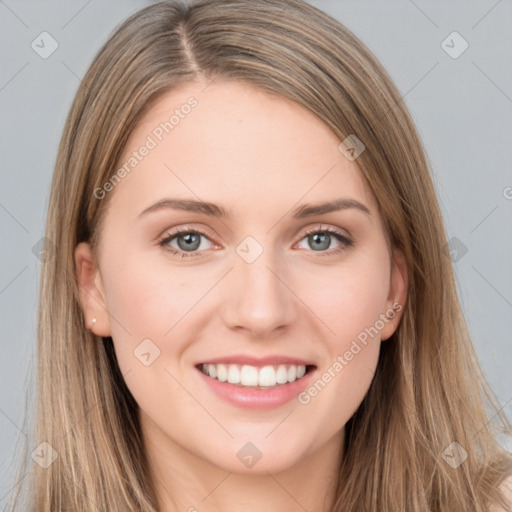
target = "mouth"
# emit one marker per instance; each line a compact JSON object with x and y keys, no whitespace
{"x":256,"y":377}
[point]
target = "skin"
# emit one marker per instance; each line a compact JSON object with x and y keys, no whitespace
{"x":260,"y":157}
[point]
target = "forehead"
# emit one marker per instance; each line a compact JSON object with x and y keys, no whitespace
{"x":227,"y":142}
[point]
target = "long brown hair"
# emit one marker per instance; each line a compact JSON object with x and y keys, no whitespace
{"x":428,"y":391}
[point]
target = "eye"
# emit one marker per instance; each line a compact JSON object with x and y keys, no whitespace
{"x":188,"y":241}
{"x":321,"y":238}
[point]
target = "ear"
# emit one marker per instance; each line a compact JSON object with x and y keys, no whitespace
{"x":92,"y":294}
{"x":399,"y":282}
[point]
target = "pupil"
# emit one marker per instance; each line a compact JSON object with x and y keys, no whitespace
{"x":317,"y":238}
{"x":191,"y":241}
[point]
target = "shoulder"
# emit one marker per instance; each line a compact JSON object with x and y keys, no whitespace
{"x":506,"y":489}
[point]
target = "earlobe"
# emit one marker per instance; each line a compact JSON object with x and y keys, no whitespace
{"x":92,"y":294}
{"x":397,"y":294}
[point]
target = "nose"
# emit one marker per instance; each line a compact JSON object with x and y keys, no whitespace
{"x":259,"y":299}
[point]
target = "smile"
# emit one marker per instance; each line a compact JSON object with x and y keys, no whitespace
{"x":279,"y":383}
{"x":255,"y":377}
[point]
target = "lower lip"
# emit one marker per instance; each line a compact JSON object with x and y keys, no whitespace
{"x":252,"y":398}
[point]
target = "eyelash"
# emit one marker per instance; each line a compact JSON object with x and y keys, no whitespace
{"x":345,"y":241}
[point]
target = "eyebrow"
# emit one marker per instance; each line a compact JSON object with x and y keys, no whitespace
{"x":214,"y":210}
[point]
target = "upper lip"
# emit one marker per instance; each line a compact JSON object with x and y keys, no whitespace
{"x":257,"y":361}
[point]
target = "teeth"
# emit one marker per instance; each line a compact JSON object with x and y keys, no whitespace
{"x":233,"y":374}
{"x":247,"y":375}
{"x":222,"y":372}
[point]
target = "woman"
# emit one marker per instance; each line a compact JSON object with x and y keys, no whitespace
{"x":251,"y":305}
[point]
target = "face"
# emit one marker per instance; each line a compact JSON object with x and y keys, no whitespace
{"x":256,"y":278}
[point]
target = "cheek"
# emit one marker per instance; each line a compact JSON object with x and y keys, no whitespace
{"x":158,"y":302}
{"x":149,"y":299}
{"x":348,"y":302}
{"x":145,"y":302}
{"x":348,"y":299}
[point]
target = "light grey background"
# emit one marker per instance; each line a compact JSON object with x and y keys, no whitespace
{"x":462,"y":107}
